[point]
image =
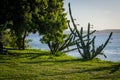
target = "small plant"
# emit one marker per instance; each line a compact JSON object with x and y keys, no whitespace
{"x":87,"y":47}
{"x":85,"y":43}
{"x":57,"y":47}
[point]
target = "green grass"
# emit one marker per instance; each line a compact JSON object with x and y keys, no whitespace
{"x":39,"y":65}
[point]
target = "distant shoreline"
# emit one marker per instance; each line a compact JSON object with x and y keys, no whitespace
{"x":108,"y":31}
{"x":102,"y":31}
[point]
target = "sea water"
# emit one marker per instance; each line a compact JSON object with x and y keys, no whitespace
{"x":112,"y":50}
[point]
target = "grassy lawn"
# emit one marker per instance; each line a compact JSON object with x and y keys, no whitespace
{"x":39,"y":65}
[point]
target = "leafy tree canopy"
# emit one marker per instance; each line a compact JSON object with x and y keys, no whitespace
{"x":23,"y":16}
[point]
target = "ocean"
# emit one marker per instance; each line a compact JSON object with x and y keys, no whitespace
{"x":112,"y":50}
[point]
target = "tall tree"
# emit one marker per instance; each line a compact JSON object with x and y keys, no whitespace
{"x":53,"y":24}
{"x":46,"y":16}
{"x":19,"y":14}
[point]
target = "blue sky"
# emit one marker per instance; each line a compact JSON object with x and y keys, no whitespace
{"x":103,"y":14}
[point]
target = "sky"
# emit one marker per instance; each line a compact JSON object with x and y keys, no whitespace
{"x":102,"y":14}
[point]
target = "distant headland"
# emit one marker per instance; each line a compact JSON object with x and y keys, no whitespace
{"x":108,"y":31}
{"x":102,"y":31}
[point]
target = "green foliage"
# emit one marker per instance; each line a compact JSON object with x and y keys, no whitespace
{"x":45,"y":16}
{"x":53,"y":23}
{"x":21,"y":13}
{"x":8,"y":39}
{"x":86,"y":43}
{"x":63,"y":47}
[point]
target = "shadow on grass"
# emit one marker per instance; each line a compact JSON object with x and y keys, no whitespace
{"x":111,"y":77}
{"x":111,"y":74}
{"x":106,"y":76}
{"x":53,"y":61}
{"x":11,"y":55}
{"x":115,"y":68}
{"x":20,"y":77}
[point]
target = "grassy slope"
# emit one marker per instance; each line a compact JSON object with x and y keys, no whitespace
{"x":39,"y":65}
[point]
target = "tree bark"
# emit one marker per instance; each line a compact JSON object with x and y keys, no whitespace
{"x":23,"y":41}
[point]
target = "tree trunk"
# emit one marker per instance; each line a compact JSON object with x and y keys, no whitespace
{"x":23,"y":40}
{"x":18,"y":42}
